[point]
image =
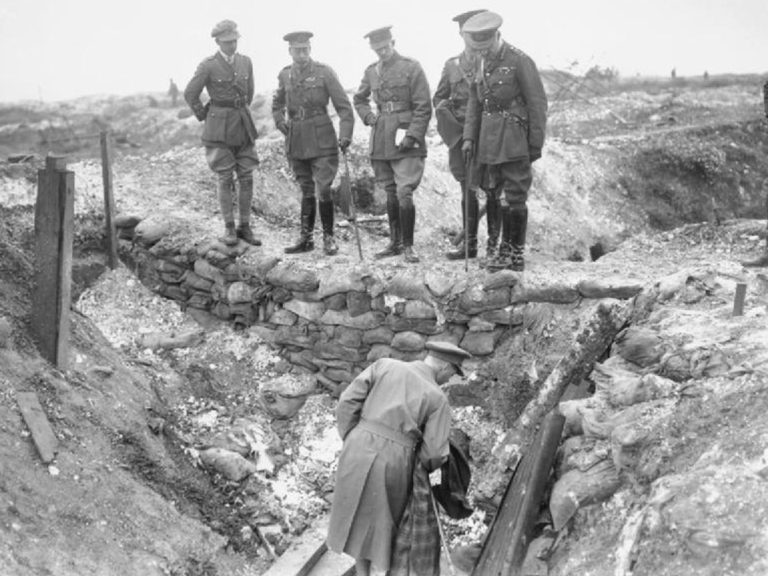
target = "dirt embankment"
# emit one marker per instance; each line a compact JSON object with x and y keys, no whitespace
{"x":123,"y":493}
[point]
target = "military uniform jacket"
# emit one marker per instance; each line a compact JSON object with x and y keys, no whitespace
{"x":451,"y":97}
{"x":303,"y":94}
{"x":400,"y":91}
{"x":507,"y":109}
{"x":228,"y":120}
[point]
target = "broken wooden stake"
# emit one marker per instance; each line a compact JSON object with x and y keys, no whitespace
{"x":42,"y":433}
{"x":738,"y":300}
{"x":508,"y":537}
{"x":52,"y":293}
{"x":109,"y":200}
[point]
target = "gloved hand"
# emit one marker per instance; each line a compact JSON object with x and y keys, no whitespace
{"x":202,"y":113}
{"x":283,"y":127}
{"x":408,"y":143}
{"x":344,"y":144}
{"x":370,"y":119}
{"x":534,"y":154}
{"x":468,"y":150}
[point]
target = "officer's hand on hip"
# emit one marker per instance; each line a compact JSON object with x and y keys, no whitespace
{"x":534,"y":154}
{"x":408,"y":143}
{"x":468,"y":150}
{"x":370,"y":119}
{"x":283,"y":127}
{"x":344,"y":144}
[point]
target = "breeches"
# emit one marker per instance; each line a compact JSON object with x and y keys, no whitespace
{"x":510,"y":181}
{"x":242,"y":160}
{"x":399,"y":178}
{"x":315,"y":175}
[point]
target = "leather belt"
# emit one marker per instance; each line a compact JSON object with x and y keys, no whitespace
{"x":388,"y":433}
{"x":236,"y":103}
{"x":301,"y":113}
{"x":393,"y":106}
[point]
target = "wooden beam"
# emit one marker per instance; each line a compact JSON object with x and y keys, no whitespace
{"x":42,"y":433}
{"x":738,"y":300}
{"x":52,"y":292}
{"x":109,"y":200}
{"x":504,"y":548}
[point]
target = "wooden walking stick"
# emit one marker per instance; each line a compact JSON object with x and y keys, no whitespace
{"x":346,"y":187}
{"x":451,"y":568}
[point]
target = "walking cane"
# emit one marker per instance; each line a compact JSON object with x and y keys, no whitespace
{"x":467,"y":184}
{"x":451,"y":569}
{"x":346,"y":182}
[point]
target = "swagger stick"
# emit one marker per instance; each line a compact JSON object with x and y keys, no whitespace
{"x":352,"y":208}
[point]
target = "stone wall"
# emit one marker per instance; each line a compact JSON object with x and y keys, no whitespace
{"x":335,"y":322}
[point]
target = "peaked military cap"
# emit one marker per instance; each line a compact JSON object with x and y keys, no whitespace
{"x":448,"y":353}
{"x":226,"y":30}
{"x":464,"y":16}
{"x":298,"y":39}
{"x":482,"y":22}
{"x":379,"y":37}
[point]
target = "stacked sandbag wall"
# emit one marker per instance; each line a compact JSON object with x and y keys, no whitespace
{"x":337,"y":323}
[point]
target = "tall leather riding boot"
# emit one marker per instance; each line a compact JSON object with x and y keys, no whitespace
{"x":503,"y":259}
{"x":493,"y":217}
{"x":326,"y":218}
{"x":519,"y":227}
{"x":224,"y":190}
{"x":244,"y":231}
{"x":408,"y":224}
{"x":470,"y":220}
{"x":306,"y":241}
{"x":395,"y":245}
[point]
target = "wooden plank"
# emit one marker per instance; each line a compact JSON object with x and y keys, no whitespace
{"x":507,"y":540}
{"x":51,"y":294}
{"x":109,"y":199}
{"x":42,"y":433}
{"x":306,"y":552}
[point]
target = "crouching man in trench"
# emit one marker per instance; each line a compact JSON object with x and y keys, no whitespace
{"x":395,"y":422}
{"x":229,"y":132}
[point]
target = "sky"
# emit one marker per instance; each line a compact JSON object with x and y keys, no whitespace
{"x":62,"y":49}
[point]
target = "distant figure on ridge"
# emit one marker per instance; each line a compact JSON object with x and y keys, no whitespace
{"x":399,"y":88}
{"x":229,"y":132}
{"x":303,"y":91}
{"x":173,"y":92}
{"x":762,"y":260}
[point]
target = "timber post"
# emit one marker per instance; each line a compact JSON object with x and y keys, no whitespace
{"x":51,"y":296}
{"x":109,"y":199}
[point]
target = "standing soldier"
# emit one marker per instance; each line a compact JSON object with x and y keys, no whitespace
{"x":762,"y":260}
{"x":450,"y":102}
{"x":504,"y":130}
{"x":304,"y":89}
{"x":229,"y":132}
{"x":173,"y":92}
{"x":397,"y":147}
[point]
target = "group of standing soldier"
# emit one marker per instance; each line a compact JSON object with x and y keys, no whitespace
{"x":491,"y":112}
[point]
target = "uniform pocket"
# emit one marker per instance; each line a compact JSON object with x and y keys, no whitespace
{"x":325,"y":134}
{"x":215,"y":129}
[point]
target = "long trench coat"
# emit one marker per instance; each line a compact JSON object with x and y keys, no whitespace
{"x":392,"y":413}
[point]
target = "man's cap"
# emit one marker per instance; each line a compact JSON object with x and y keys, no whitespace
{"x":448,"y":353}
{"x":464,"y":16}
{"x":379,"y":37}
{"x":299,"y":39}
{"x":482,"y":22}
{"x":226,"y":30}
